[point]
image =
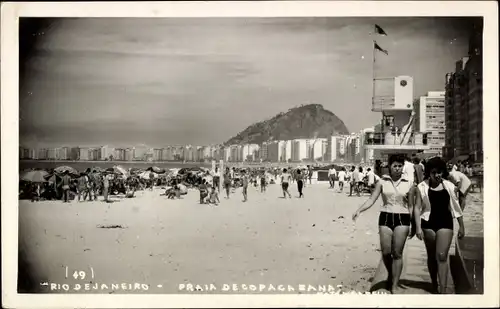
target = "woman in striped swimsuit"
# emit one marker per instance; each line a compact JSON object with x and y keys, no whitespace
{"x":394,"y":219}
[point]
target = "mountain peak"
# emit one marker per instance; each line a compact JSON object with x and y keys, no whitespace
{"x":304,"y":121}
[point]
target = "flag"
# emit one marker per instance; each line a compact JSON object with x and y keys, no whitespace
{"x":379,"y":30}
{"x":377,"y":47}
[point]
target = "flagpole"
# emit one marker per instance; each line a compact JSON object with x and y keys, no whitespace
{"x":373,"y":73}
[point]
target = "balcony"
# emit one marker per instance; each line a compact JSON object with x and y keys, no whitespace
{"x":413,"y":141}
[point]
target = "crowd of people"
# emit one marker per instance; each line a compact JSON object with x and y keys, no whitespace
{"x":419,"y":198}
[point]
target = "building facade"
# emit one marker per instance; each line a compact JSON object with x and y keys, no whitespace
{"x":464,"y":104}
{"x":430,"y":118}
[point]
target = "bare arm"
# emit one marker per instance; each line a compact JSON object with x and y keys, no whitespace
{"x":369,"y":203}
{"x":417,"y":210}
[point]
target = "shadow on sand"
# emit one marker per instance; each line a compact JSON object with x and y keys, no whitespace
{"x":405,"y":284}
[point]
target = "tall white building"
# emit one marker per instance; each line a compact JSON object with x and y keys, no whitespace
{"x":335,"y":148}
{"x":430,"y":118}
{"x":263,"y":152}
{"x":286,"y":151}
{"x":227,"y":153}
{"x":299,"y":149}
{"x":248,"y":152}
{"x":316,"y":150}
{"x":106,"y":152}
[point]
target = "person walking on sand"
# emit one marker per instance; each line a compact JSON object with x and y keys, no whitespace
{"x":244,"y":179}
{"x":342,"y":177}
{"x":394,"y":219}
{"x":436,"y":206}
{"x":285,"y":182}
{"x":227,"y":181}
{"x":300,"y":183}
{"x":66,"y":181}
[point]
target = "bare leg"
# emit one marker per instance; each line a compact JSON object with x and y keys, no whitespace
{"x":443,"y":243}
{"x":386,"y":248}
{"x":430,"y":247}
{"x":398,"y":243}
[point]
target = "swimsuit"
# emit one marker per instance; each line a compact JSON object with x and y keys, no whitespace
{"x":391,"y":220}
{"x":440,"y":217}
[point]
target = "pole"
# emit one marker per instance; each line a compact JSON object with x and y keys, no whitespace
{"x":221,"y":172}
{"x":373,"y":73}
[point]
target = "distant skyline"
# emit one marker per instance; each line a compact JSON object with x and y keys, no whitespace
{"x":133,"y":81}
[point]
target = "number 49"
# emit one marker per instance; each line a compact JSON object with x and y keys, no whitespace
{"x":79,"y":275}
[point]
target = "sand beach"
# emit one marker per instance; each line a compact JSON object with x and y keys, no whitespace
{"x":168,"y":244}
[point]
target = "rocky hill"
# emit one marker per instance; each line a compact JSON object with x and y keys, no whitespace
{"x":306,"y":121}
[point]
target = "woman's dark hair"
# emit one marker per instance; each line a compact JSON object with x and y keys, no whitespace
{"x":298,"y":171}
{"x":396,"y":158}
{"x":284,"y":170}
{"x":438,"y":164}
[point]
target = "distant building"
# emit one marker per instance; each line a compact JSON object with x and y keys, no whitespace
{"x":430,"y":118}
{"x":128,"y":154}
{"x":263,"y":152}
{"x":299,"y":150}
{"x":140,"y":153}
{"x":74,"y":153}
{"x":157,"y":154}
{"x":108,"y":153}
{"x":84,"y":154}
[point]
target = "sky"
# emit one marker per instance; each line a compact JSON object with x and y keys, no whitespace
{"x":200,"y":81}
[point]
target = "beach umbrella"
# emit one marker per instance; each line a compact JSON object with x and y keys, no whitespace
{"x":120,"y":170}
{"x":35,"y":176}
{"x":98,"y":169}
{"x":134,"y":170}
{"x":146,"y":175}
{"x":51,"y":178}
{"x":156,"y":169}
{"x":69,"y":169}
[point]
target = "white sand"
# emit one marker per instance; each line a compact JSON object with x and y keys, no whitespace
{"x":268,"y":240}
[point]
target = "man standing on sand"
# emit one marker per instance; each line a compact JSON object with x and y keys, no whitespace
{"x":105,"y":187}
{"x":66,"y":180}
{"x":245,"y":185}
{"x":216,"y":178}
{"x":227,"y":181}
{"x":332,"y":173}
{"x":83,"y":187}
{"x":309,"y":173}
{"x":462,"y":184}
{"x":355,"y":179}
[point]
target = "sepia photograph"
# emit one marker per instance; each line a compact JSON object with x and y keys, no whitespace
{"x":256,"y":155}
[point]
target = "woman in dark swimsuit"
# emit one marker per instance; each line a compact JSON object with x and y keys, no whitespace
{"x":437,"y":205}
